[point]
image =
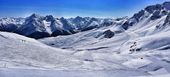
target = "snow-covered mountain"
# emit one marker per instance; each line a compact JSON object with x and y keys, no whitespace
{"x":149,"y":26}
{"x":135,"y":46}
{"x":10,"y":24}
{"x":37,"y":26}
{"x":142,"y":41}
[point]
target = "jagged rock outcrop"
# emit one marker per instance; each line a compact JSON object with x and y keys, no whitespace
{"x":108,"y":34}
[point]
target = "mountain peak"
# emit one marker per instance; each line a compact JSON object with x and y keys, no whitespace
{"x":49,"y":18}
{"x":158,"y":7}
{"x":153,"y":8}
{"x":35,"y":16}
{"x":166,"y":5}
{"x":62,"y":18}
{"x":78,"y":19}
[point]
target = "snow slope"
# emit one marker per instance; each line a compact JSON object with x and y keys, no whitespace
{"x":139,"y":43}
{"x":20,"y":51}
{"x":62,"y":73}
{"x":20,"y":56}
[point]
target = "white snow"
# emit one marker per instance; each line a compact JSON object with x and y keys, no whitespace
{"x":65,"y":73}
{"x":47,"y":26}
{"x":137,"y":63}
{"x":20,"y":51}
{"x":140,"y":51}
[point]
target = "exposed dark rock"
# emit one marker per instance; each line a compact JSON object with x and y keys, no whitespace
{"x":107,"y":23}
{"x":164,"y":12}
{"x":97,"y":48}
{"x":156,"y":15}
{"x":138,"y":49}
{"x":165,"y":48}
{"x":108,"y":34}
{"x":38,"y":35}
{"x":127,"y":24}
{"x":88,"y":60}
{"x":8,"y":27}
{"x":138,"y":15}
{"x":153,"y":8}
{"x":50,"y":18}
{"x":89,"y":28}
{"x":167,"y":20}
{"x":52,"y":44}
{"x":60,"y":32}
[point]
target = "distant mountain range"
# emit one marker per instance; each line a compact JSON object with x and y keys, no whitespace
{"x":36,"y":26}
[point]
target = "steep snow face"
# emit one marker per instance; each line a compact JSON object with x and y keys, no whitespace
{"x":47,"y":26}
{"x":32,"y":24}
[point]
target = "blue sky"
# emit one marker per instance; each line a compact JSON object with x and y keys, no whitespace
{"x":72,"y":8}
